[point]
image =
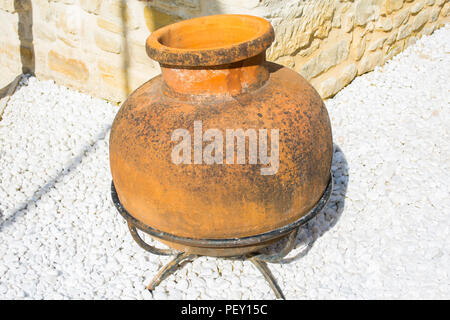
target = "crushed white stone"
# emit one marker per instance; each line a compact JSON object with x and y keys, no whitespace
{"x":384,"y":234}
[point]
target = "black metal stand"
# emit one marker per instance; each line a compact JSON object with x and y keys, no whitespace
{"x":258,"y":259}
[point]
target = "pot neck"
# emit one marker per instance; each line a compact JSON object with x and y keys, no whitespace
{"x":226,"y":79}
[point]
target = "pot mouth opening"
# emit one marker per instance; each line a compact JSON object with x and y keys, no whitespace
{"x":210,"y":40}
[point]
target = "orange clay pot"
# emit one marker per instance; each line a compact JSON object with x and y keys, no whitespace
{"x":214,"y":70}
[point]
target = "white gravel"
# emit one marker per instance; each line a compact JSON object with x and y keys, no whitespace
{"x":385,"y":233}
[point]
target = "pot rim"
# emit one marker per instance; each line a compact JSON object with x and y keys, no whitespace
{"x":216,"y":55}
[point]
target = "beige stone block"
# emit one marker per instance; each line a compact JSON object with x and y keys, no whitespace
{"x":348,"y":22}
{"x":287,"y":61}
{"x":395,"y":49}
{"x":377,"y":13}
{"x":288,"y":41}
{"x":391,"y":39}
{"x":303,"y":39}
{"x":108,"y":41}
{"x":117,"y":81}
{"x":420,"y":20}
{"x":417,"y":7}
{"x":310,"y":69}
{"x":384,"y":24}
{"x":40,"y":56}
{"x":105,"y":66}
{"x":349,"y":73}
{"x":69,"y":40}
{"x":368,"y":63}
{"x":138,"y":53}
{"x":326,"y":59}
{"x":446,"y":10}
{"x":327,"y":87}
{"x":327,"y":11}
{"x":315,"y":44}
{"x":440,"y":3}
{"x":358,"y":48}
{"x":336,"y":22}
{"x":429,"y":29}
{"x":120,"y":10}
{"x":344,"y":78}
{"x":138,"y":36}
{"x":114,"y":8}
{"x":113,"y":75}
{"x":136,"y":79}
{"x":47,"y":13}
{"x":404,"y":31}
{"x":401,"y":18}
{"x":45,"y":32}
{"x":430,"y":2}
{"x":435,"y":11}
{"x":323,"y":30}
{"x":393,"y":5}
{"x":69,"y":20}
{"x":10,"y":50}
{"x":369,"y":28}
{"x":91,"y":6}
{"x":69,"y":67}
{"x":109,"y":25}
{"x":376,"y":44}
{"x":41,"y":12}
{"x":8,"y":5}
{"x":363,"y":12}
{"x":135,"y":15}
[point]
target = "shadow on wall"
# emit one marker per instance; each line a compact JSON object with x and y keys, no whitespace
{"x":25,"y":30}
{"x":24,"y":10}
{"x":126,"y":54}
{"x":154,"y":19}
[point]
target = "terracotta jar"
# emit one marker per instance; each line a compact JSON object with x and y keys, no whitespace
{"x":215,"y":73}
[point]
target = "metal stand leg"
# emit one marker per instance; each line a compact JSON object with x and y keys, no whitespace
{"x":145,"y":246}
{"x":259,"y":260}
{"x":169,"y":268}
{"x":262,"y":266}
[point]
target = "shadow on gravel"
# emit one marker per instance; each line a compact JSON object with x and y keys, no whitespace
{"x":37,"y":195}
{"x":327,"y":218}
{"x":6,"y":92}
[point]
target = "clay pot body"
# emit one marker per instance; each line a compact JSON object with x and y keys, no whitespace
{"x":214,"y":71}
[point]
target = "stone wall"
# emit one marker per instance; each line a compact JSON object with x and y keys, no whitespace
{"x":97,"y":46}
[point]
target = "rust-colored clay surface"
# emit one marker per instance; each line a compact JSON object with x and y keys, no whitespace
{"x":214,"y":70}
